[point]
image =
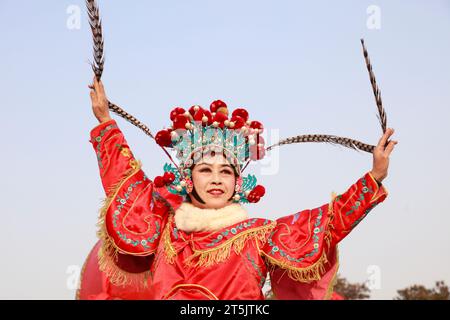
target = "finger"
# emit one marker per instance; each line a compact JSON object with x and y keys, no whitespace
{"x":390,"y":147}
{"x":93,"y":96}
{"x":96,"y":85}
{"x":385,"y":137}
{"x":102,"y":89}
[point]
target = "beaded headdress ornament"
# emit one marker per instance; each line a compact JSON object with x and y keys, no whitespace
{"x":199,"y":132}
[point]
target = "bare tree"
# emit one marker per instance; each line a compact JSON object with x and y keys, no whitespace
{"x":347,"y":290}
{"x":351,"y":291}
{"x":419,"y":292}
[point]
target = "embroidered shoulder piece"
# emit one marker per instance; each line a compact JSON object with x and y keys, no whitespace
{"x":131,"y":222}
{"x":300,"y":243}
{"x":214,"y":247}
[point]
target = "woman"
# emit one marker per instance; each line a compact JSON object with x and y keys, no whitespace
{"x":184,"y":235}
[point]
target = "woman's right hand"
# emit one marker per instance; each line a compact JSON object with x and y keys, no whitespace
{"x":99,"y":101}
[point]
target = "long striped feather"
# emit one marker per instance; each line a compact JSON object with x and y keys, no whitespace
{"x":97,"y":36}
{"x":335,"y":140}
{"x":98,"y":65}
{"x":376,"y":91}
{"x":346,"y":142}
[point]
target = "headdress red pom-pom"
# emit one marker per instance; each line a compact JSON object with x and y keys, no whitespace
{"x":180,"y":122}
{"x":159,"y":182}
{"x":163,"y":138}
{"x":197,"y":113}
{"x":257,"y":125}
{"x":175,"y":112}
{"x":168,"y":177}
{"x":220,"y":118}
{"x":256,"y":194}
{"x":260,"y":190}
{"x":240,"y":113}
{"x":218,"y":106}
{"x":238,"y":122}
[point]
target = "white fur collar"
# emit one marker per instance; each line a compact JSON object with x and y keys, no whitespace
{"x":192,"y":219}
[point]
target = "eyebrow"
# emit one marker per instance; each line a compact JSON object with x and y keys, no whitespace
{"x":210,"y":165}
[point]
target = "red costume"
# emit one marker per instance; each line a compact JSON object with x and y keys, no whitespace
{"x":143,"y":255}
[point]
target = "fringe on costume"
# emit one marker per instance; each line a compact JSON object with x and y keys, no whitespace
{"x":308,"y":274}
{"x":206,"y":258}
{"x":108,"y":253}
{"x":333,"y":282}
{"x":169,"y":251}
{"x":315,"y":271}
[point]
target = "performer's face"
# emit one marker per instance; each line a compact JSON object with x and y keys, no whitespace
{"x":214,"y":181}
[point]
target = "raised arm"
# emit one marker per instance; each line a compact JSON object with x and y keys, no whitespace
{"x":132,"y":217}
{"x":115,"y":160}
{"x":349,"y":208}
{"x":304,"y":245}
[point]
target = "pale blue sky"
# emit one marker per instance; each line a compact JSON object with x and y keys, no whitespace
{"x":296,"y":66}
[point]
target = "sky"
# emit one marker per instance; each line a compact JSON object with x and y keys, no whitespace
{"x":297,"y":66}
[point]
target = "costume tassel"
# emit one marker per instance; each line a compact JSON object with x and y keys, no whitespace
{"x":108,"y":253}
{"x":206,"y":258}
{"x":169,"y":251}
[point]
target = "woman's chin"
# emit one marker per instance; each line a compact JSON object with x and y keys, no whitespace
{"x":216,"y":203}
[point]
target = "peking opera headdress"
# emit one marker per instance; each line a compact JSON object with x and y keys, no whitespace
{"x":198,"y":131}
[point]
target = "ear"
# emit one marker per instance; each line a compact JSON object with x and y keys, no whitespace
{"x":188,"y":184}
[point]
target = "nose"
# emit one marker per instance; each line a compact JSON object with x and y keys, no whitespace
{"x":216,"y":179}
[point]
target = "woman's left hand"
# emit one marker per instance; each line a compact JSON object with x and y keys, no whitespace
{"x":381,"y":155}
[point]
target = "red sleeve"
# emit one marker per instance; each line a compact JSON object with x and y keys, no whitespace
{"x":134,"y":213}
{"x":114,"y":156}
{"x":302,"y":249}
{"x":349,"y":208}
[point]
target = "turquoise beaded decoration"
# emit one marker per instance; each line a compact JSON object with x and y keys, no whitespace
{"x":191,"y":144}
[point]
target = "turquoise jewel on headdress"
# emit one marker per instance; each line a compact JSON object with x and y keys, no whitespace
{"x":191,"y":144}
{"x":175,"y":187}
{"x":248,"y":184}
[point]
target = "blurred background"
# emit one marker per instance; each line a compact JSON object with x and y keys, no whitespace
{"x":298,"y":68}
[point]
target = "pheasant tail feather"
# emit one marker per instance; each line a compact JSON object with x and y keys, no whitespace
{"x":376,"y":91}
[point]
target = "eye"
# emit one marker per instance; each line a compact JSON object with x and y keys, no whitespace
{"x":205,"y":170}
{"x":226,"y":171}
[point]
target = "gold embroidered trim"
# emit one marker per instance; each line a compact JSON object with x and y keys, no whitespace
{"x":308,"y":274}
{"x":117,"y":276}
{"x":191,"y":286}
{"x":169,"y":251}
{"x":289,"y":232}
{"x":313,"y":272}
{"x":333,"y":282}
{"x":145,"y":219}
{"x":108,"y":253}
{"x":209,"y":257}
{"x":106,"y":166}
{"x":382,"y":187}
